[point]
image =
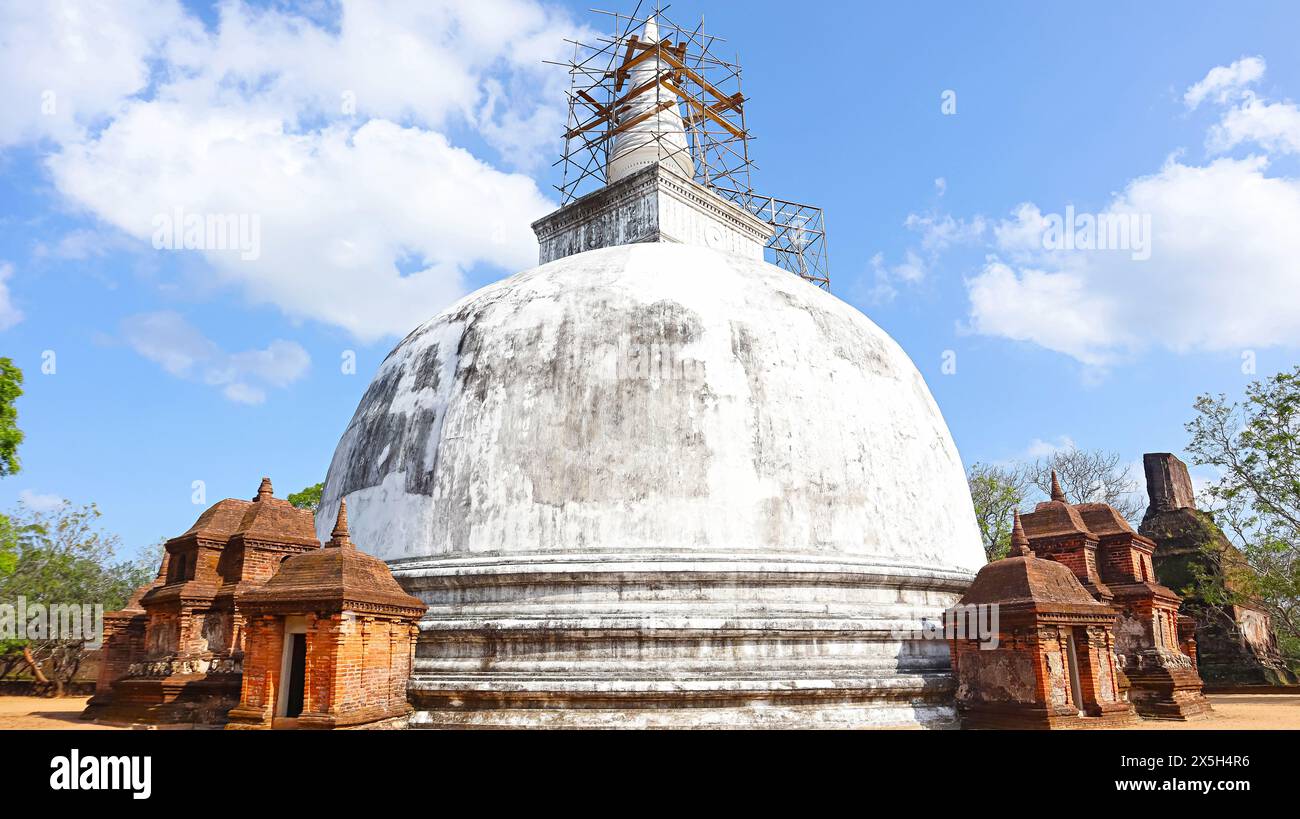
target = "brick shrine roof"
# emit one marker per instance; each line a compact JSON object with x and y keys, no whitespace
{"x":336,"y":577}
{"x":1024,"y":580}
{"x":265,"y":517}
{"x":1055,"y":519}
{"x":219,"y":521}
{"x":1104,"y":521}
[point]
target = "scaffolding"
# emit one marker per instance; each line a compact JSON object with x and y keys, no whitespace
{"x":624,"y":80}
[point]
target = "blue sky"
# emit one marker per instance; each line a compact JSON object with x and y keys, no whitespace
{"x":176,"y":366}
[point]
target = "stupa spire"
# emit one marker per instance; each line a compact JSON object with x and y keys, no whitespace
{"x":1057,"y":493}
{"x":339,"y":538}
{"x":1019,"y":540}
{"x":649,"y":128}
{"x":264,"y":490}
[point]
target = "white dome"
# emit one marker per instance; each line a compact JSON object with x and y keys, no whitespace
{"x":660,"y":485}
{"x":653,"y":398}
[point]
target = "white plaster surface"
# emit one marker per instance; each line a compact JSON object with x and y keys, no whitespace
{"x":657,"y":475}
{"x":652,"y":397}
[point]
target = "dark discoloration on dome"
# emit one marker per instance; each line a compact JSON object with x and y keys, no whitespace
{"x":641,"y":396}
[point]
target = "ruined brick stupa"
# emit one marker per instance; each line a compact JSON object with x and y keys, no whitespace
{"x":657,"y":481}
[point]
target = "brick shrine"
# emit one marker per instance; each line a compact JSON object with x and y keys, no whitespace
{"x":1114,"y":563}
{"x":350,"y":633}
{"x":175,"y":653}
{"x":1054,"y":664}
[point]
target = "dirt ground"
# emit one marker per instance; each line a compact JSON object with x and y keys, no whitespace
{"x":1242,"y":712}
{"x":1231,"y":711}
{"x":46,"y":714}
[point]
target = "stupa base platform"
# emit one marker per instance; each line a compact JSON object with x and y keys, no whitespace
{"x":693,"y":704}
{"x":680,"y":641}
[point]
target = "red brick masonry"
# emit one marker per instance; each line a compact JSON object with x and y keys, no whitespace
{"x":1114,"y":563}
{"x":205,"y":637}
{"x":360,"y":632}
{"x":1054,"y":665}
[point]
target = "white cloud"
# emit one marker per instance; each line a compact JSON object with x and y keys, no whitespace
{"x":334,"y":134}
{"x":435,"y":63}
{"x":38,"y":502}
{"x":339,"y":211}
{"x":1221,"y":272}
{"x":1038,"y":448}
{"x":1222,"y":81}
{"x":1222,"y":252}
{"x":1248,"y":118}
{"x":939,"y":231}
{"x":171,"y":342}
{"x":1054,"y":310}
{"x":67,"y":65}
{"x":1273,"y":126}
{"x":1203,"y":477}
{"x":1021,"y":236}
{"x":9,"y":314}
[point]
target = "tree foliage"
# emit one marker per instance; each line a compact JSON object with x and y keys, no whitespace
{"x":11,"y":387}
{"x":1085,"y":475}
{"x":308,"y":498}
{"x":8,"y":547}
{"x":62,"y":557}
{"x":1255,"y":445}
{"x":1090,"y":476}
{"x":996,"y":492}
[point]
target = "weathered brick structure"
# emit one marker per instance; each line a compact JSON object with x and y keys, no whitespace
{"x":1114,"y":563}
{"x":124,"y":635}
{"x":331,"y":639}
{"x":1235,"y":644}
{"x":176,"y":657}
{"x":1054,"y":663}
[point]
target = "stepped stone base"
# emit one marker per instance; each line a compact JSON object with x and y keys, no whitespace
{"x":1167,"y":693}
{"x":180,"y":699}
{"x":729,"y":642}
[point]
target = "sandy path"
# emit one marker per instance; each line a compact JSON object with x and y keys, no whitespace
{"x":1242,"y":712}
{"x":47,"y":714}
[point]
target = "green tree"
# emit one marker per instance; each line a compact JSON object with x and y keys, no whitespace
{"x":10,"y":649}
{"x":11,"y":379}
{"x":8,"y":547}
{"x":11,"y":387}
{"x":308,"y":498}
{"x":1255,"y":445}
{"x":996,"y":492}
{"x":1085,"y":476}
{"x":63,"y":558}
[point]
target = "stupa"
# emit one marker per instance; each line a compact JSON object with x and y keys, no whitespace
{"x":658,"y":481}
